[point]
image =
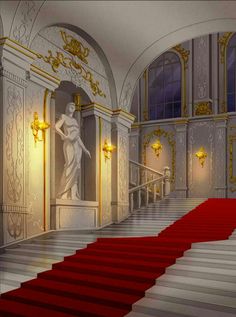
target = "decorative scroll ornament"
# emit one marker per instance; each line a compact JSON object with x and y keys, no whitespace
{"x":184,"y":54}
{"x":70,"y":63}
{"x":170,"y":138}
{"x":15,"y":224}
{"x":223,"y":41}
{"x":201,"y":154}
{"x":203,"y":108}
{"x":75,"y":47}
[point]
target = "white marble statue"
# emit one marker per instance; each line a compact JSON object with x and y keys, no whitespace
{"x":72,"y":148}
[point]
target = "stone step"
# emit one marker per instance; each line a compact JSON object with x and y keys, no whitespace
{"x":210,"y":263}
{"x":229,"y":245}
{"x":33,"y":260}
{"x":60,"y":242}
{"x":9,"y":277}
{"x":193,"y":298}
{"x":203,"y":272}
{"x":6,"y":287}
{"x":24,"y":252}
{"x":47,"y":248}
{"x":198,"y":285}
{"x":160,"y":308}
{"x":20,"y":268}
{"x":212,"y":254}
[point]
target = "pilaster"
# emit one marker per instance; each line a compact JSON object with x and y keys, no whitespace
{"x":121,"y":123}
{"x":220,"y":156}
{"x":181,"y":158}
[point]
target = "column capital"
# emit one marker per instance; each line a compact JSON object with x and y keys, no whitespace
{"x":119,"y":116}
{"x":97,"y":110}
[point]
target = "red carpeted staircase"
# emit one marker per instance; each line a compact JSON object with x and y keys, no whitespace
{"x":107,"y":277}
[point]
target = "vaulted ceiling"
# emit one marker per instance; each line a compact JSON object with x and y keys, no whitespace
{"x":130,"y":33}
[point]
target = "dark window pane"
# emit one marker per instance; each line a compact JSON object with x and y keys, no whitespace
{"x":165,"y":87}
{"x":230,"y":102}
{"x":169,"y":110}
{"x":177,"y":109}
{"x":160,"y":111}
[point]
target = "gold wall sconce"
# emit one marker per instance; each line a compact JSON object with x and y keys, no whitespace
{"x":201,"y":155}
{"x":157,"y":147}
{"x":108,"y":148}
{"x":38,"y":128}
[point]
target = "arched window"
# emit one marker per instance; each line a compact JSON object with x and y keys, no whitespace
{"x":231,"y":74}
{"x":164,"y":87}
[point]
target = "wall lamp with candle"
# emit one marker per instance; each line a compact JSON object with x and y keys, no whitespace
{"x":157,"y":147}
{"x":38,"y":128}
{"x":201,"y":155}
{"x":108,"y":148}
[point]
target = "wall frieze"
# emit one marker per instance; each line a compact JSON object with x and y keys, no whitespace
{"x":13,"y":77}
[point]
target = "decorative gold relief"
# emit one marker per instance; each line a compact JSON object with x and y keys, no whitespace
{"x":38,"y":126}
{"x":75,"y":47}
{"x":170,"y":138}
{"x":157,"y":147}
{"x":203,"y":108}
{"x":70,"y":63}
{"x":223,"y":41}
{"x":201,"y":155}
{"x":184,"y":54}
{"x":232,"y":177}
{"x":108,"y":148}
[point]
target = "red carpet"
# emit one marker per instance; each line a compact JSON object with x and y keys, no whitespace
{"x":107,"y":277}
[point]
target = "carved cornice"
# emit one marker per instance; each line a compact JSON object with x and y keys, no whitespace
{"x":13,"y":77}
{"x":203,"y":108}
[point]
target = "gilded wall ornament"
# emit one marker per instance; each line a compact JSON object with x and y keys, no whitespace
{"x":203,"y":108}
{"x":74,"y":47}
{"x":15,"y":224}
{"x":170,"y":138}
{"x":60,"y":60}
{"x":184,"y":54}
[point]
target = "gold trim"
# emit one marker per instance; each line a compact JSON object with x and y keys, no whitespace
{"x":203,"y":108}
{"x":96,"y":106}
{"x":232,"y":178}
{"x":135,"y":126}
{"x":3,"y":41}
{"x":221,"y":117}
{"x":44,"y":162}
{"x":223,"y":43}
{"x":100,"y":171}
{"x":182,"y":121}
{"x":45,"y":74}
{"x":145,"y":110}
{"x":124,"y":113}
{"x":170,"y":138}
{"x":184,"y":55}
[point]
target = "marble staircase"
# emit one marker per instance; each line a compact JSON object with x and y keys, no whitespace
{"x":201,"y":283}
{"x":22,"y":262}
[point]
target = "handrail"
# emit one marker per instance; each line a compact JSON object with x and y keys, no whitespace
{"x":145,"y":167}
{"x":146,"y":184}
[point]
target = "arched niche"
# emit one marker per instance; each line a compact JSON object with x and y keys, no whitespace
{"x":64,"y":94}
{"x":70,"y":54}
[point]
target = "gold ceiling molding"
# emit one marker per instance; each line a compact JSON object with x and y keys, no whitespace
{"x":203,"y":108}
{"x":74,"y":47}
{"x":232,"y":177}
{"x":184,"y":54}
{"x":170,"y":138}
{"x":223,"y":41}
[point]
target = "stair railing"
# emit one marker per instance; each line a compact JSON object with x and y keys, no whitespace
{"x":147,"y":185}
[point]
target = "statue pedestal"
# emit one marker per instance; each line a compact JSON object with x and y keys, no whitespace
{"x":73,"y":214}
